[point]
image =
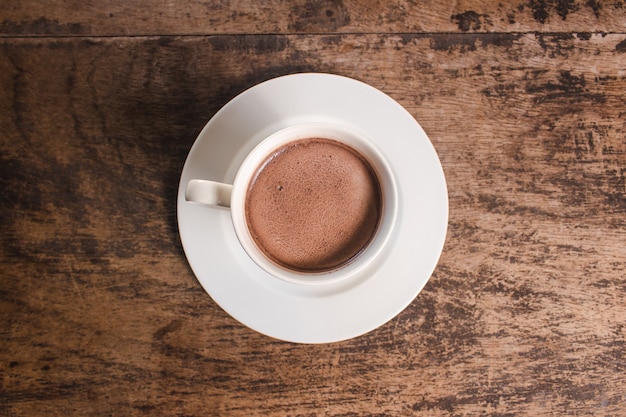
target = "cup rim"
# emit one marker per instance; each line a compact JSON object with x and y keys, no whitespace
{"x":347,"y":135}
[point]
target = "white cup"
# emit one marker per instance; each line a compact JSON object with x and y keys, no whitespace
{"x":216,"y":194}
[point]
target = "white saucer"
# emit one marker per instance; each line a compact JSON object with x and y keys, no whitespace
{"x":320,"y":313}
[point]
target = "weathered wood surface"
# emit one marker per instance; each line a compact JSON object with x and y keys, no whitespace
{"x":167,"y":17}
{"x":524,"y":315}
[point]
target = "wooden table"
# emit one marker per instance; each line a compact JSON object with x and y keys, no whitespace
{"x":524,"y":102}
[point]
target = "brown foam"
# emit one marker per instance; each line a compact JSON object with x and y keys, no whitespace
{"x":313,"y":205}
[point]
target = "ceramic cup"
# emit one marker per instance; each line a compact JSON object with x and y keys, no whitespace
{"x":233,"y":196}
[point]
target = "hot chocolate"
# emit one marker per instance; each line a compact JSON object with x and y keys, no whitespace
{"x":313,"y":205}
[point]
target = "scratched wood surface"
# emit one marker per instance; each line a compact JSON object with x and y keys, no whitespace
{"x":524,"y":102}
{"x":147,"y":17}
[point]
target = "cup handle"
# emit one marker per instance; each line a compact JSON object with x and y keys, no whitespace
{"x":208,"y":192}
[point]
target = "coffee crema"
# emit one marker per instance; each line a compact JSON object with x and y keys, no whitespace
{"x":313,"y":205}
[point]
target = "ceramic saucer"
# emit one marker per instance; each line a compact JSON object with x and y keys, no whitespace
{"x":320,"y":313}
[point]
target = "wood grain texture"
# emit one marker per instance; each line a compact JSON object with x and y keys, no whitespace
{"x":165,"y":17}
{"x":524,"y":315}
